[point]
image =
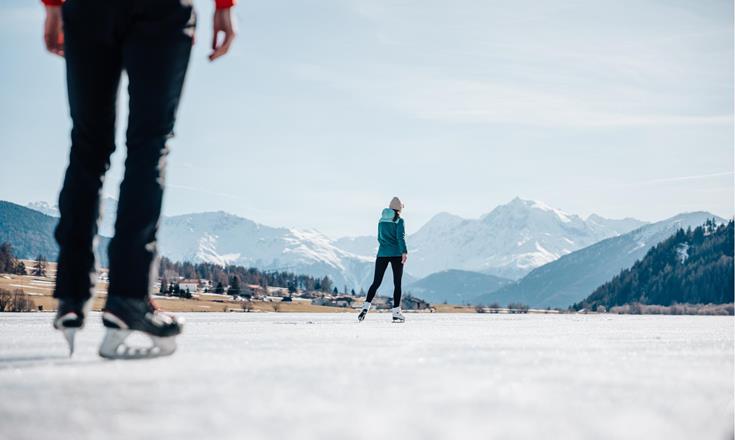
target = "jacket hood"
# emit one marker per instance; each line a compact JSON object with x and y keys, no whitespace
{"x":387,"y":215}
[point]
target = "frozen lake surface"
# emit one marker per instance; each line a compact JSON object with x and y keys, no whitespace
{"x":323,"y":376}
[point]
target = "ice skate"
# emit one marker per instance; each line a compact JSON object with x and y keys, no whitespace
{"x":125,"y":316}
{"x":364,"y":311}
{"x":397,"y":315}
{"x":70,"y":318}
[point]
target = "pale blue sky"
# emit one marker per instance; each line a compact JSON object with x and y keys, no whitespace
{"x":326,"y":109}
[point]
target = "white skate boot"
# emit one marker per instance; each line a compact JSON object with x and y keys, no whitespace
{"x":397,"y":315}
{"x":124,"y":316}
{"x":363,"y":312}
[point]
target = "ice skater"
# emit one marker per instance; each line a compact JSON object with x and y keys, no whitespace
{"x":151,"y":40}
{"x":393,"y":251}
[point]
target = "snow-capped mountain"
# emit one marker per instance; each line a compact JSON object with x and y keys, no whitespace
{"x":509,"y":241}
{"x":44,"y":208}
{"x":573,"y":277}
{"x":108,"y":207}
{"x":222,"y":238}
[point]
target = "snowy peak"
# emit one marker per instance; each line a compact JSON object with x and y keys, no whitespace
{"x":44,"y":208}
{"x":211,"y":221}
{"x":519,"y":208}
{"x":441,"y":223}
{"x":533,"y":219}
{"x":445,"y":218}
{"x":509,"y":241}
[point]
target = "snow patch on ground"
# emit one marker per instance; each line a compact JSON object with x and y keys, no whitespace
{"x":638,"y":245}
{"x":323,"y":376}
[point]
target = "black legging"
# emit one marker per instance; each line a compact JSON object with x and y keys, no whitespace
{"x":381,"y":264}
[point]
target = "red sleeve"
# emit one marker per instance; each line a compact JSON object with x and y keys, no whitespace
{"x":221,"y":4}
{"x":224,"y":4}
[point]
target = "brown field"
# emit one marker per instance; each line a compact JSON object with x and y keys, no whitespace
{"x":450,"y":308}
{"x":40,"y":289}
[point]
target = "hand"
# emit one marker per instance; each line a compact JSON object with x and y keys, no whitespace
{"x":53,"y":30}
{"x":404,"y":257}
{"x":222,"y":24}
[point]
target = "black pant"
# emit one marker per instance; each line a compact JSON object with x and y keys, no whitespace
{"x":150,"y":40}
{"x":381,"y":264}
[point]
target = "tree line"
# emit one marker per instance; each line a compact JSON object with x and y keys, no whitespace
{"x":230,"y":279}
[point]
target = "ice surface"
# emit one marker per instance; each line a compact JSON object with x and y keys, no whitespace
{"x":323,"y":376}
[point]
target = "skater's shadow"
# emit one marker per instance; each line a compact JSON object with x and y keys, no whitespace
{"x":42,"y":360}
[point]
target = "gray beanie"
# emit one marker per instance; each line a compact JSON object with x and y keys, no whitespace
{"x":396,"y":204}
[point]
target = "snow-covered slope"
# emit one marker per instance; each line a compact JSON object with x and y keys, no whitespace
{"x":616,"y":226}
{"x":573,"y":277}
{"x":366,"y":245}
{"x":510,"y":241}
{"x":222,"y":238}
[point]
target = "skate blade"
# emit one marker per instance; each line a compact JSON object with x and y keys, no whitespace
{"x":114,"y":346}
{"x":398,"y":321}
{"x":69,"y":334}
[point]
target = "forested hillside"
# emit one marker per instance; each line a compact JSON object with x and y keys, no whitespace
{"x":693,"y":266}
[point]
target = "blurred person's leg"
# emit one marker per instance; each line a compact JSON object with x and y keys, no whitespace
{"x":155,"y":55}
{"x":93,"y":66}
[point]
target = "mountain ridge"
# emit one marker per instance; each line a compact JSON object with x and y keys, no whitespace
{"x":508,"y":242}
{"x":31,"y":233}
{"x":573,"y":277}
{"x":455,"y":286}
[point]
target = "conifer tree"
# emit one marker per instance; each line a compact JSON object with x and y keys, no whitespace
{"x":234,"y":289}
{"x":39,"y":266}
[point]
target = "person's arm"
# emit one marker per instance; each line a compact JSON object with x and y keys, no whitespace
{"x":223,"y":24}
{"x":53,"y":28}
{"x":401,"y":235}
{"x":220,"y":4}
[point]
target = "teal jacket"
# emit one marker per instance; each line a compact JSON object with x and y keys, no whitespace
{"x":391,"y":235}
